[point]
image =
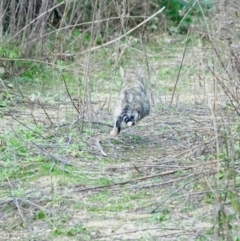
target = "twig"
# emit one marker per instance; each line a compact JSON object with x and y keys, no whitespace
{"x":49,"y":154}
{"x":35,"y":132}
{"x":79,"y":118}
{"x":177,"y":180}
{"x":69,"y":124}
{"x":133,"y":180}
{"x":156,"y":166}
{"x":193,"y":148}
{"x":99,"y":123}
{"x":6,"y":90}
{"x":136,"y":168}
{"x":143,"y":230}
{"x":34,"y":205}
{"x":124,"y":35}
{"x":70,"y":95}
{"x":72,"y":26}
{"x":45,"y":112}
{"x":15,"y":201}
{"x":35,"y":19}
{"x":100,"y":148}
{"x":179,"y":25}
{"x":179,"y":71}
{"x":176,"y":191}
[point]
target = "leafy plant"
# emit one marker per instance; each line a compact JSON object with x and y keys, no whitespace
{"x":176,"y":9}
{"x":76,"y":230}
{"x":161,"y":217}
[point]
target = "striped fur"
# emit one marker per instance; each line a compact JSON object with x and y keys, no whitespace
{"x":132,"y":104}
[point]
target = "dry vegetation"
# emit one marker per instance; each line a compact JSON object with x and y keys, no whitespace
{"x":174,"y":176}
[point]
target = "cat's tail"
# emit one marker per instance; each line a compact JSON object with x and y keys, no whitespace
{"x":128,"y":116}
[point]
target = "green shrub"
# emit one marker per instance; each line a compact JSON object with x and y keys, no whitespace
{"x":176,"y":9}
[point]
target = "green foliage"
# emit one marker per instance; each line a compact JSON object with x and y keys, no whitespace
{"x":176,"y":9}
{"x":134,"y":138}
{"x":3,"y":99}
{"x":9,"y":51}
{"x":13,"y":145}
{"x":58,"y":231}
{"x":3,"y":103}
{"x":30,"y":71}
{"x":161,"y":216}
{"x":72,"y":231}
{"x":35,"y":72}
{"x":76,"y":230}
{"x":210,"y":198}
{"x":41,"y":215}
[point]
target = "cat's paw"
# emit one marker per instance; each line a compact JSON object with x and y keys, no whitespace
{"x":113,"y":133}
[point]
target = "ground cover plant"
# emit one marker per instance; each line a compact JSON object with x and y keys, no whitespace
{"x":173,"y":176}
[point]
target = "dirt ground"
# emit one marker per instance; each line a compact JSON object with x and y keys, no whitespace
{"x":153,"y":182}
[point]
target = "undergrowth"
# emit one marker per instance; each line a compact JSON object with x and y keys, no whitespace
{"x":173,"y":176}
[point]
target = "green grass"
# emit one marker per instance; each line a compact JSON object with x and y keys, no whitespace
{"x":52,"y":176}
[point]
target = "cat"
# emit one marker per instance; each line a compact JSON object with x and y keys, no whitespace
{"x":132,"y":103}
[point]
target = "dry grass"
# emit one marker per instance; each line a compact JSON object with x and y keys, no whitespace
{"x":154,"y":181}
{"x":174,"y":176}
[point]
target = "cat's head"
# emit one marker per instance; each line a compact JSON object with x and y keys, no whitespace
{"x":134,"y":74}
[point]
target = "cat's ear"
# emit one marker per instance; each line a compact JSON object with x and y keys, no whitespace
{"x":122,"y":72}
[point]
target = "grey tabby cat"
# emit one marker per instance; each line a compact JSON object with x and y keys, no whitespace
{"x":132,"y":103}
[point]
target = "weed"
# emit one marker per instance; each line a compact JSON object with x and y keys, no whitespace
{"x":76,"y":230}
{"x":160,"y":217}
{"x":58,"y":231}
{"x":41,"y":215}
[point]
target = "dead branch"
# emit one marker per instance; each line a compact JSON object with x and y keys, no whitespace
{"x":132,"y":180}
